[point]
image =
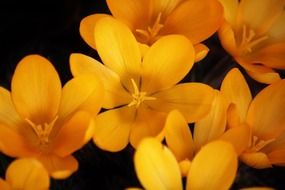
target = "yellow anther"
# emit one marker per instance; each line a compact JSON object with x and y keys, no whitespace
{"x":258,"y":144}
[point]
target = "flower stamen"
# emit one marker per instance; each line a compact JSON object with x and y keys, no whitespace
{"x":258,"y":144}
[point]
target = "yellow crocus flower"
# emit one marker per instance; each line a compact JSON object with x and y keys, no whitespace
{"x":150,"y":20}
{"x":214,"y":167}
{"x":140,"y":89}
{"x":40,"y":119}
{"x":25,"y":174}
{"x":254,"y":34}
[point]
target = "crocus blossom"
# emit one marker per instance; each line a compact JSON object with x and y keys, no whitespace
{"x":214,"y":167}
{"x":25,"y":174}
{"x":151,"y":19}
{"x":140,"y":90}
{"x":39,"y":119}
{"x":256,"y":41}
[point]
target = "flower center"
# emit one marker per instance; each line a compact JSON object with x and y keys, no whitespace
{"x":42,"y":130}
{"x":249,"y":40}
{"x":258,"y":144}
{"x":138,"y":97}
{"x":150,"y":34}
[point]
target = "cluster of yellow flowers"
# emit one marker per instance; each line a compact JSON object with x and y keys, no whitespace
{"x":148,"y":47}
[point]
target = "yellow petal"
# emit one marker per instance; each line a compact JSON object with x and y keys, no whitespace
{"x":266,"y":114}
{"x":257,"y":160}
{"x":178,"y":136}
{"x":74,"y":134}
{"x":214,"y":167}
{"x":112,"y":128}
{"x":266,"y":78}
{"x":8,"y":114}
{"x":133,"y":13}
{"x":268,"y":11}
{"x":230,"y":10}
{"x":227,"y":38}
{"x":114,"y":93}
{"x":213,"y":124}
{"x":195,"y":19}
{"x":59,"y":167}
{"x":4,"y":185}
{"x":118,"y":49}
{"x":157,"y":67}
{"x":239,"y":137}
{"x":235,"y":89}
{"x":87,"y":26}
{"x":201,"y":51}
{"x":83,"y":93}
{"x":163,"y":7}
{"x":36,"y":89}
{"x":148,"y":123}
{"x":27,"y":174}
{"x":156,"y":166}
{"x":184,"y":166}
{"x":233,"y":116}
{"x":193,"y":100}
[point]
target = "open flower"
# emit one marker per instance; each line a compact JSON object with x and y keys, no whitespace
{"x":214,"y":167}
{"x":140,"y":90}
{"x":151,"y":19}
{"x":25,"y":174}
{"x":264,"y":115}
{"x":40,"y":119}
{"x":256,"y":41}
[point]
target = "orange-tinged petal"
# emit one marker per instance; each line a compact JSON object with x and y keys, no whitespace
{"x":27,"y":174}
{"x":156,"y":167}
{"x":227,"y":38}
{"x":239,"y":137}
{"x":148,"y":123}
{"x":266,"y":78}
{"x":277,"y":30}
{"x":163,"y":7}
{"x":201,"y":51}
{"x":178,"y":136}
{"x":114,"y":93}
{"x":112,"y":128}
{"x":266,"y":113}
{"x":87,"y":27}
{"x":233,"y":116}
{"x":4,"y":185}
{"x":81,"y":93}
{"x":133,"y":13}
{"x":59,"y":167}
{"x":193,"y":100}
{"x":184,"y":166}
{"x":118,"y":49}
{"x":277,"y":157}
{"x":213,"y":124}
{"x":257,"y":160}
{"x":235,"y":89}
{"x":157,"y":67}
{"x":36,"y":89}
{"x":195,"y":19}
{"x":230,"y":10}
{"x":74,"y":134}
{"x":8,"y":114}
{"x":213,"y":167}
{"x":268,"y":11}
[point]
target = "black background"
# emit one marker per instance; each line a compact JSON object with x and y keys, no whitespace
{"x":51,"y":29}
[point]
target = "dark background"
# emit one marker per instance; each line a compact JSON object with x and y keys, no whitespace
{"x":51,"y":29}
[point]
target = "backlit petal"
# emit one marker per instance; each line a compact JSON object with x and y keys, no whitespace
{"x":227,"y":38}
{"x":87,"y":27}
{"x":201,"y":51}
{"x":156,"y":166}
{"x":81,"y":93}
{"x":148,"y":123}
{"x":257,"y":160}
{"x":213,"y":124}
{"x":178,"y":136}
{"x":214,"y":167}
{"x":266,"y":114}
{"x":266,"y":78}
{"x":235,"y":89}
{"x":193,"y":100}
{"x":27,"y":174}
{"x":118,"y":49}
{"x":36,"y":89}
{"x":230,"y":10}
{"x":112,"y":128}
{"x":173,"y":56}
{"x":59,"y":167}
{"x":114,"y":93}
{"x":74,"y":134}
{"x":195,"y":19}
